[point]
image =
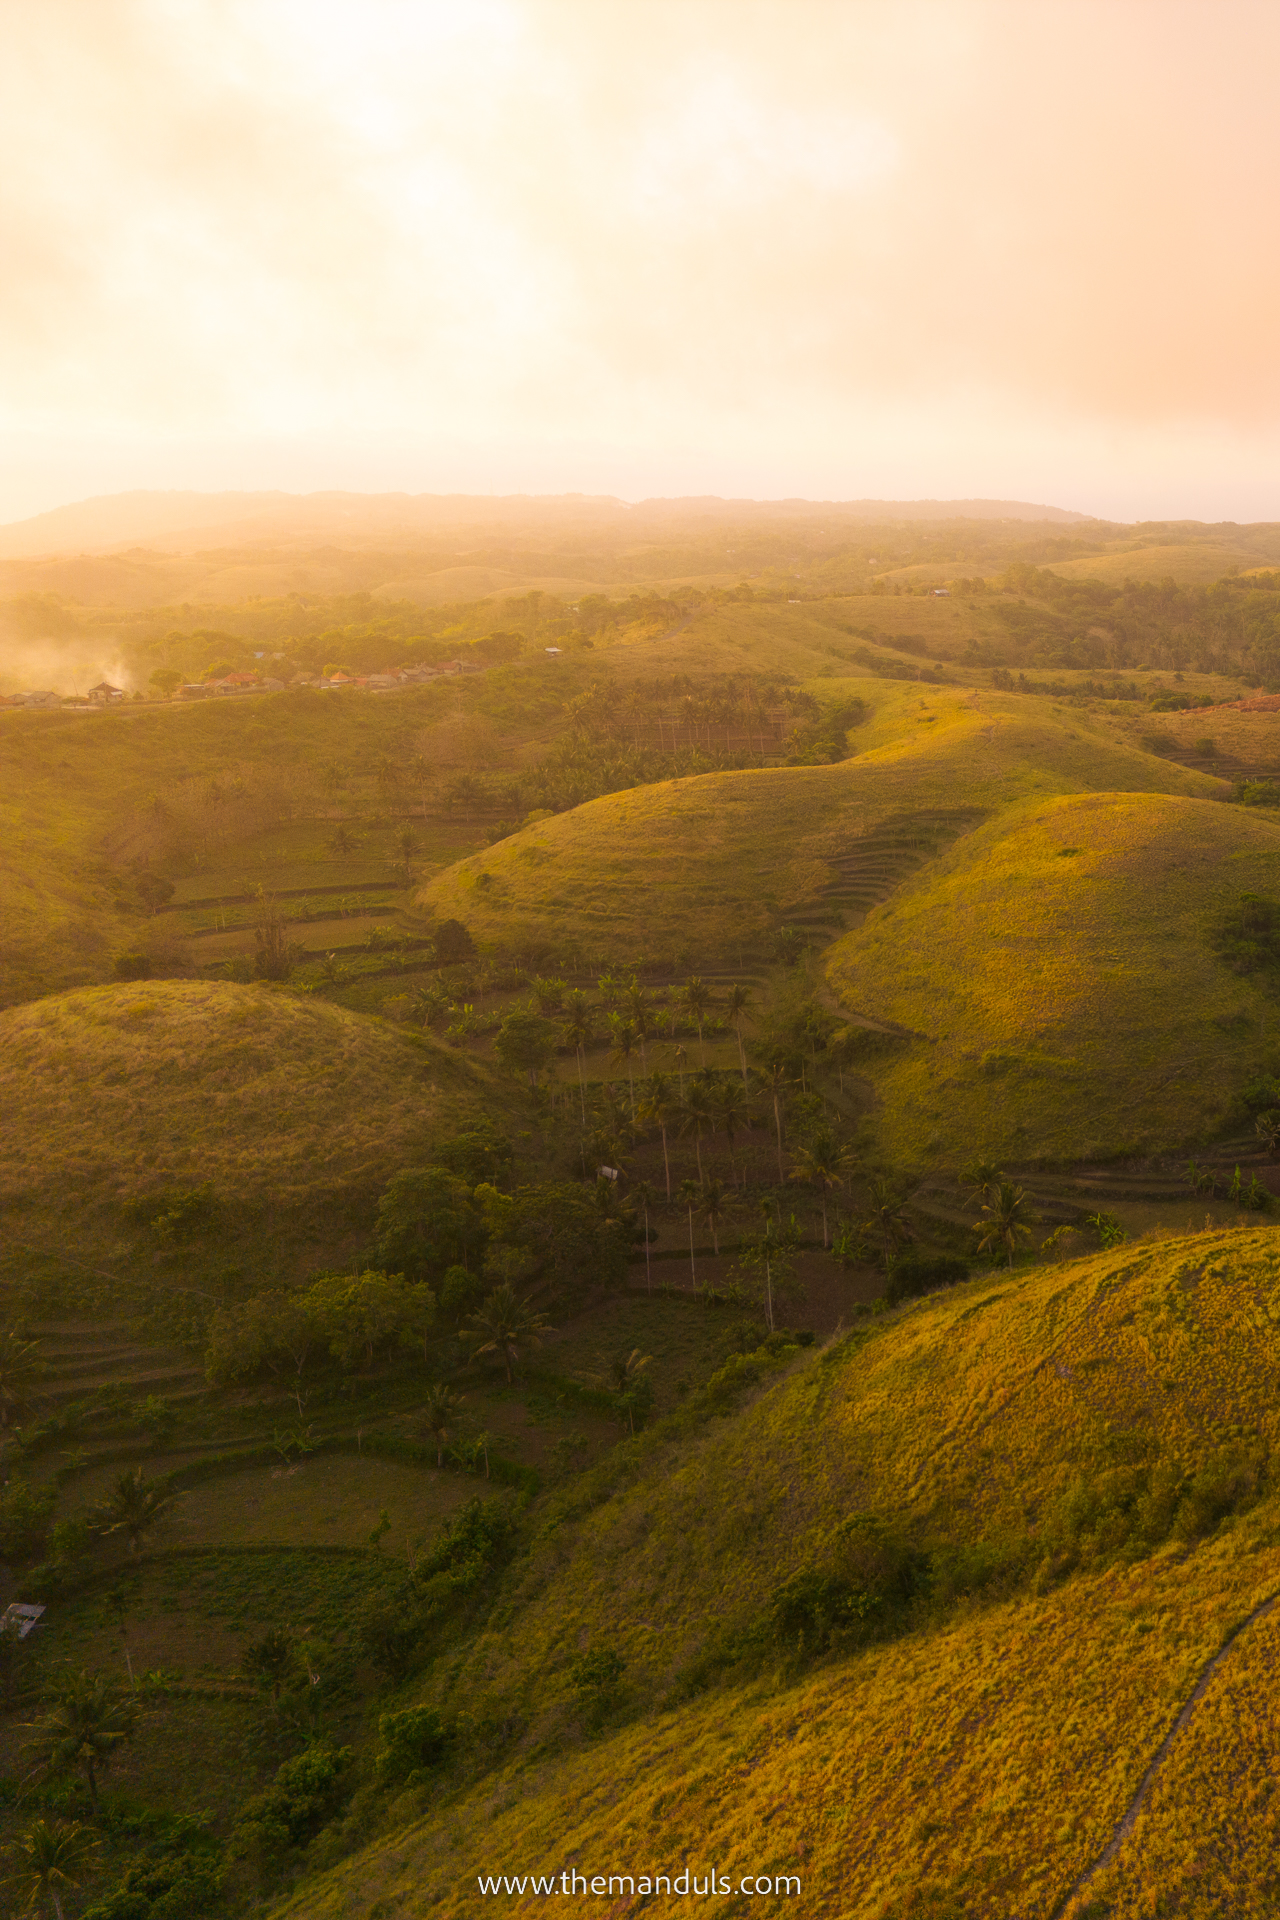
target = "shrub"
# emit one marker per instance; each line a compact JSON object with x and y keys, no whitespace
{"x":24,"y":1515}
{"x":413,"y":1741}
{"x":305,"y":1792}
{"x":453,"y":943}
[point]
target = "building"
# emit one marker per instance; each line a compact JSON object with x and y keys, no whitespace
{"x":104,"y":694}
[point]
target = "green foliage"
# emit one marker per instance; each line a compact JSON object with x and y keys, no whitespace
{"x":91,"y":1719}
{"x":427,"y":1222}
{"x":413,"y":1741}
{"x":24,"y":1518}
{"x":919,"y":1274}
{"x":480,"y":1155}
{"x":525,"y":1043}
{"x":177,"y":1873}
{"x":360,"y":1313}
{"x":1108,"y":1229}
{"x":1248,"y":937}
{"x":305,"y":1793}
{"x":453,"y":944}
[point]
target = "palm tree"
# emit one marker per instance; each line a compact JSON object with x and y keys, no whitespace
{"x":271,"y":1661}
{"x":712,"y":1210}
{"x":697,"y":1115}
{"x":49,"y":1856}
{"x":885,"y":1216}
{"x":1008,"y":1216}
{"x":624,"y":1051}
{"x":736,"y":1007}
{"x":640,"y":1011}
{"x":984,"y":1176}
{"x":134,"y":1505}
{"x":643,"y":1196}
{"x":682,"y":1061}
{"x":90,"y":1720}
{"x":624,"y":1373}
{"x":659,"y":1110}
{"x":438,"y":1415}
{"x":776,"y":1078}
{"x":19,"y":1364}
{"x":502,"y":1322}
{"x":823,"y":1162}
{"x":1267,"y":1128}
{"x":732,"y":1112}
{"x":577,"y":1031}
{"x":697,"y":998}
{"x":691,"y":1193}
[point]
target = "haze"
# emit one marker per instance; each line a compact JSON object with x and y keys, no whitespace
{"x":830,"y":250}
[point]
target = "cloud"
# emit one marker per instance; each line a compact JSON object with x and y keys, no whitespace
{"x":856,"y":241}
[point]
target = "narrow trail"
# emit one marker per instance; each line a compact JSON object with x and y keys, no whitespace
{"x":1068,"y":1904}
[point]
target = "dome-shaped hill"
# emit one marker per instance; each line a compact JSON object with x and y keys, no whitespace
{"x":709,"y":864}
{"x":1078,"y":1460}
{"x":1060,"y":972}
{"x":109,"y":1094}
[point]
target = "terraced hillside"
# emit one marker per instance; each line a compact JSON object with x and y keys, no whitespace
{"x":1076,"y":1462}
{"x":1060,"y":975}
{"x":284,"y":1111}
{"x":710,"y":865}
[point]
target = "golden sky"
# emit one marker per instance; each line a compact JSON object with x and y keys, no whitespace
{"x":834,"y":248}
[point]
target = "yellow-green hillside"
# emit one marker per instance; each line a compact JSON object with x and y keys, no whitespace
{"x":1059,"y":973}
{"x":108,"y":1094}
{"x":992,"y":1750}
{"x":709,"y":864}
{"x":1188,"y":562}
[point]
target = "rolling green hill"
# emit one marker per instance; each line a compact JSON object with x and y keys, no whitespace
{"x":709,"y":865}
{"x":290,"y":1110}
{"x":1058,"y":974}
{"x":1079,"y":1457}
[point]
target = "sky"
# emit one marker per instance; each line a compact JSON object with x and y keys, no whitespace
{"x":828,"y":248}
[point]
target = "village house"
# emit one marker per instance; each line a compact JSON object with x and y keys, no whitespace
{"x":104,"y":694}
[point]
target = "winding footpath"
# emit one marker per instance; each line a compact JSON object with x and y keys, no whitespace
{"x":1068,"y":1905}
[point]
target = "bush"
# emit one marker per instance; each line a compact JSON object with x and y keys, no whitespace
{"x":453,"y":943}
{"x":305,"y":1792}
{"x":24,"y":1517}
{"x":413,"y":1741}
{"x":915,"y":1275}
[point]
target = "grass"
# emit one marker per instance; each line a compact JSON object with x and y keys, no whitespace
{"x":708,"y":866}
{"x":1058,"y":974}
{"x":992,"y":1749}
{"x":1190,"y":563}
{"x":292,"y":1110}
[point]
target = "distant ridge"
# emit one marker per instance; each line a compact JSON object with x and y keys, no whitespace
{"x":191,"y":521}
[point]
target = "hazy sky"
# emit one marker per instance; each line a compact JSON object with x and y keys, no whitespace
{"x":837,"y":248}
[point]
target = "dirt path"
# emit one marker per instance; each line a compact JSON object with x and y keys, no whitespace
{"x":1070,"y":1902}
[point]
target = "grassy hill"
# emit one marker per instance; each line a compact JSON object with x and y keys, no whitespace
{"x":290,"y":1110}
{"x":1077,"y":1459}
{"x":709,"y":865}
{"x":1059,"y":977}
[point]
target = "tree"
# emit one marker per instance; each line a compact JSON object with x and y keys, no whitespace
{"x":91,"y":1720}
{"x":823,"y":1163}
{"x":272,"y":959}
{"x":271,"y":1330}
{"x":427,"y":1222}
{"x":625,"y":1373}
{"x":20,"y":1366}
{"x":732,"y":1112}
{"x":884,"y":1216}
{"x":625,"y":1042}
{"x":453,"y":944}
{"x":1008,"y":1216}
{"x":697,"y":998}
{"x":711,"y":1208}
{"x":134,"y":1505}
{"x":643,"y":1196}
{"x":49,"y":1855}
{"x":640,"y":1013}
{"x":272,"y":1662}
{"x":1267,"y":1128}
{"x":438,"y":1415}
{"x":984,"y":1176}
{"x":358,"y":1313}
{"x":578,"y":1032}
{"x":776,"y":1080}
{"x":736,"y":1007}
{"x":771,"y":1256}
{"x":166,"y":680}
{"x":659,"y":1108}
{"x":696,"y":1115}
{"x":691,"y":1194}
{"x":525,"y":1043}
{"x":502,"y":1322}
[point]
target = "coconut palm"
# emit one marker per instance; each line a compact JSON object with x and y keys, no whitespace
{"x":697,"y":998}
{"x":643,"y":1196}
{"x":823,"y":1162}
{"x":49,"y":1855}
{"x":885,"y":1216}
{"x":625,"y":1043}
{"x":682,"y":1061}
{"x":712,"y":1209}
{"x":502,"y":1322}
{"x":640,"y":1014}
{"x":271,"y":1662}
{"x":696,"y":1115}
{"x":134,"y":1505}
{"x":691,"y":1194}
{"x":776,"y":1081}
{"x":1008,"y":1216}
{"x":984,"y":1176}
{"x":625,"y":1374}
{"x":660,"y":1109}
{"x":90,"y":1720}
{"x":736,"y":1007}
{"x":733,"y":1112}
{"x":438,"y":1415}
